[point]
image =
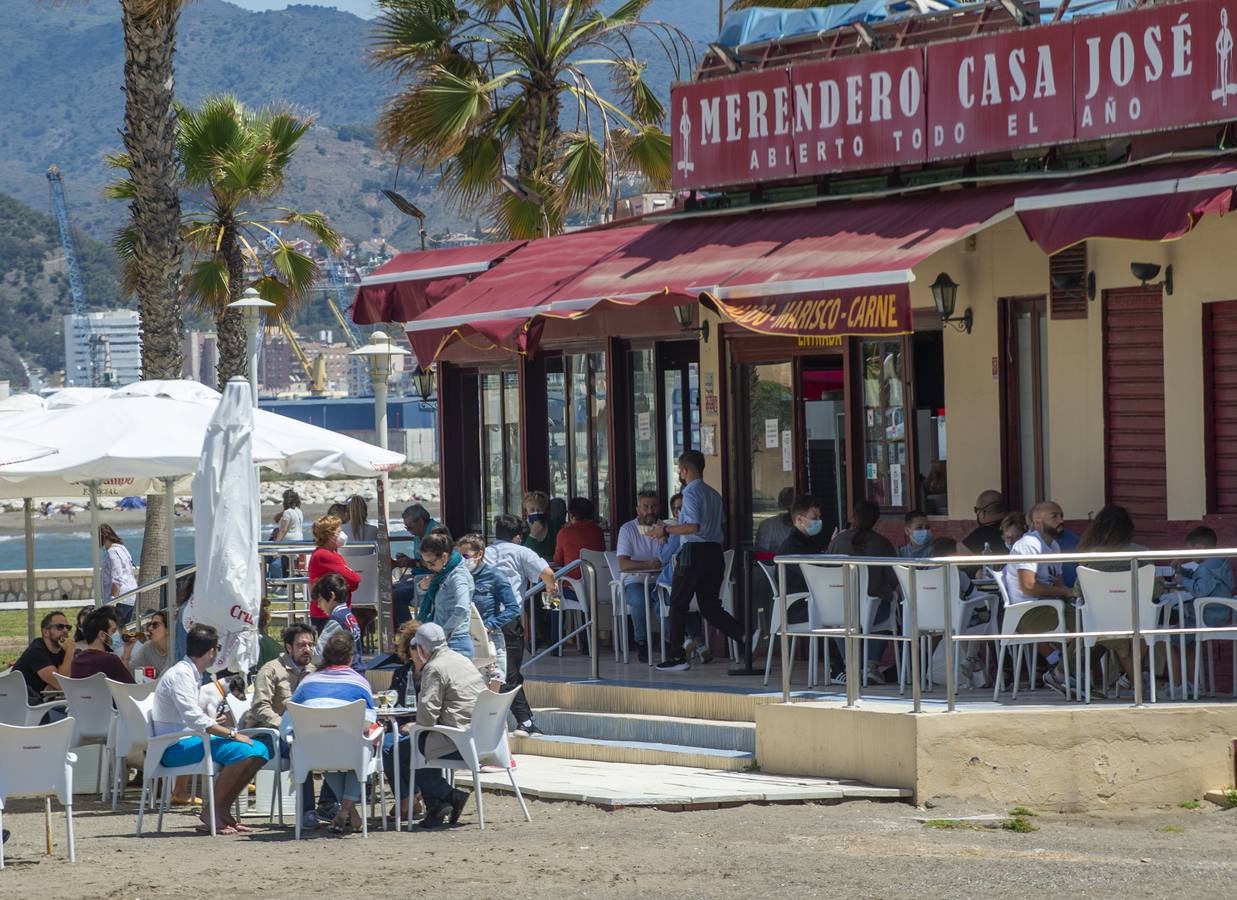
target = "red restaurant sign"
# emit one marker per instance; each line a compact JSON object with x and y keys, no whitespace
{"x":860,"y":311}
{"x":1151,"y":69}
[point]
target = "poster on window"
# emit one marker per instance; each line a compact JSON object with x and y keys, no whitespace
{"x":706,"y":440}
{"x":644,"y":430}
{"x":895,"y":485}
{"x":787,"y":461}
{"x":772,"y":431}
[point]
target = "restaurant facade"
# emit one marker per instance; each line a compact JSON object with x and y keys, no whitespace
{"x":970,"y":254}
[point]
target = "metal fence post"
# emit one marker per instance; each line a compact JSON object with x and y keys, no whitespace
{"x":854,"y":674}
{"x":951,"y":594}
{"x":595,"y":657}
{"x":1137,"y":640}
{"x":912,"y":612}
{"x":785,"y":636}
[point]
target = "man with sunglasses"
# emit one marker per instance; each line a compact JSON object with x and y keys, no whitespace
{"x":48,"y":656}
{"x":990,"y":508}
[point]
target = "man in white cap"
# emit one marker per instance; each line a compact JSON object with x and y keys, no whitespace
{"x":450,"y":686}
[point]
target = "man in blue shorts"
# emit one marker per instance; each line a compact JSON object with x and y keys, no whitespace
{"x":237,"y":757}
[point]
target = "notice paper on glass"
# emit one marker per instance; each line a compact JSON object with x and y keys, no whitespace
{"x":644,"y":430}
{"x":706,"y":440}
{"x":895,"y":484}
{"x":787,"y":461}
{"x":771,"y":433}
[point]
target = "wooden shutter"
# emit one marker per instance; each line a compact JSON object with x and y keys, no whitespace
{"x":1220,"y":404}
{"x":1071,"y":264}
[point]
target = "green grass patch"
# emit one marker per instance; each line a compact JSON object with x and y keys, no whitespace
{"x":1230,"y":797}
{"x":1019,"y":825}
{"x":1170,"y":829}
{"x":1189,"y":804}
{"x":950,"y":824}
{"x":1022,"y":811}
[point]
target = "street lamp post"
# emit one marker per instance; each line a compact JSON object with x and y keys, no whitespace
{"x":378,"y":355}
{"x":252,"y":306}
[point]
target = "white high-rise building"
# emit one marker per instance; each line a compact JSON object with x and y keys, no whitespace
{"x":102,"y":349}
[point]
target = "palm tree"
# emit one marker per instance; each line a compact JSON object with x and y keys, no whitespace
{"x":232,"y":161}
{"x":492,"y":81}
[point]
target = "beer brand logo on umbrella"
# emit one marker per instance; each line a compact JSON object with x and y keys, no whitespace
{"x":1224,"y":57}
{"x":685,"y":163}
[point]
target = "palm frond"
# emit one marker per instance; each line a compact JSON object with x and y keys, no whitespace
{"x":583,"y":169}
{"x":646,"y":150}
{"x":315,"y":223}
{"x":207,"y":282}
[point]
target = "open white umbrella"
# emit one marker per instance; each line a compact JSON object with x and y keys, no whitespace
{"x":14,"y":450}
{"x":22,"y":403}
{"x":228,"y":590}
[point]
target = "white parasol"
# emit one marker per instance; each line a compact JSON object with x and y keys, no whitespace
{"x":226,"y":520}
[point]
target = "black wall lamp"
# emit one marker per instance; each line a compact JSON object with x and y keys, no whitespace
{"x":945,"y":296}
{"x":683,"y":314}
{"x":1144,"y":272}
{"x":1073,"y":282}
{"x":423,"y":379}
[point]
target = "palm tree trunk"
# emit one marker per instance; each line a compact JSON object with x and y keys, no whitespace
{"x":150,"y":139}
{"x":230,"y":323}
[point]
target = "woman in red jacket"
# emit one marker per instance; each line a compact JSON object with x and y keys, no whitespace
{"x":326,"y":560}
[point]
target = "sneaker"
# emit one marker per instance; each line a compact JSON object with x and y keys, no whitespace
{"x":1055,"y":681}
{"x":839,"y":678}
{"x":674,"y":665}
{"x":642,"y":651}
{"x":311,"y":821}
{"x":874,"y":672}
{"x":528,"y":729}
{"x":329,"y":812}
{"x":704,"y":654}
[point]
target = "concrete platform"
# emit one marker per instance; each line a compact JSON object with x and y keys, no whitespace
{"x":615,"y":785}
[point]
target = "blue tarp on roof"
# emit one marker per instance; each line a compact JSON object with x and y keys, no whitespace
{"x":760,"y":24}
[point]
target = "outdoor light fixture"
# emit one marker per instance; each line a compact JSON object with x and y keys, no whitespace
{"x":251,"y":306}
{"x":1073,"y":281}
{"x":1144,"y":272}
{"x":1018,"y":12}
{"x":866,"y":35}
{"x":423,"y":378}
{"x":683,"y":314}
{"x":945,"y":296}
{"x":408,"y":208}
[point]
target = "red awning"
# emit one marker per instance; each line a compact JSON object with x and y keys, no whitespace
{"x":411,"y":283}
{"x":1153,"y":203}
{"x":498,"y":305}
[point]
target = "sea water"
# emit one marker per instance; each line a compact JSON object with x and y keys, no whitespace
{"x":71,"y":549}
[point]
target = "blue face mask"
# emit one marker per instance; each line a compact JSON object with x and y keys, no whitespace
{"x":534,"y":518}
{"x":921,"y":536}
{"x":814,"y":526}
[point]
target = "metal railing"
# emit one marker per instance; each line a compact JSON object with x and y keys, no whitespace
{"x":589,"y":572}
{"x":853,"y":637}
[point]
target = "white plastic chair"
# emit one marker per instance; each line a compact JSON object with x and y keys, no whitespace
{"x":15,"y":708}
{"x":90,"y":706}
{"x":153,"y":767}
{"x":932,"y":587}
{"x":238,"y":709}
{"x":35,"y":762}
{"x":482,"y":743}
{"x":363,"y":561}
{"x":1106,"y":607}
{"x":1010,"y":639}
{"x":725,"y":594}
{"x":619,"y":604}
{"x":795,"y":629}
{"x":128,"y":734}
{"x":583,"y":587}
{"x":332,"y":739}
{"x":1201,"y":604}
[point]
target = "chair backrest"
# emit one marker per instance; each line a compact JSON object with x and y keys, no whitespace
{"x":34,"y":761}
{"x":90,"y":705}
{"x":826,"y":587}
{"x":728,"y":559}
{"x":131,"y":730}
{"x":14,"y":698}
{"x":364,"y":561}
{"x":931,"y":595}
{"x":489,"y":727}
{"x":237,"y":707}
{"x":1106,"y":599}
{"x":612,"y":563}
{"x":327,"y":738}
{"x":145,"y":707}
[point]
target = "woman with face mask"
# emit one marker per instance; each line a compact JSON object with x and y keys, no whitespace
{"x":326,"y":560}
{"x":542,"y":532}
{"x":492,"y":596}
{"x":448,"y":591}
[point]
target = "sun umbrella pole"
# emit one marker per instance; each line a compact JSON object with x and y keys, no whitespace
{"x":169,"y":500}
{"x":28,"y":515}
{"x":96,"y":585}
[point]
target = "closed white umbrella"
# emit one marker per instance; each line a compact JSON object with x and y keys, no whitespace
{"x":228,"y":590}
{"x":22,"y":403}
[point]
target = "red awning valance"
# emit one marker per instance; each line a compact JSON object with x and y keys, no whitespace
{"x":411,"y":283}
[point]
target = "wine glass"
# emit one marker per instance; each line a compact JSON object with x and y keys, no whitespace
{"x":392,"y":699}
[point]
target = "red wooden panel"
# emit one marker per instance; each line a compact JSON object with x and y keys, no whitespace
{"x":1135,"y":470}
{"x":1220,"y":404}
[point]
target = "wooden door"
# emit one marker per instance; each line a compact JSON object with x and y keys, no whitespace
{"x":1135,"y":471}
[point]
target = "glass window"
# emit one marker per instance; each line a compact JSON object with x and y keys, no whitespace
{"x":768,"y":396}
{"x":579,"y":422}
{"x":494,"y":483}
{"x":557,"y":439}
{"x":930,"y":447}
{"x":884,"y":424}
{"x":643,"y":411}
{"x":599,"y":487}
{"x":511,"y":440}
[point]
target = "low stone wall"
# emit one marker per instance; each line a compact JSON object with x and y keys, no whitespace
{"x":50,"y":585}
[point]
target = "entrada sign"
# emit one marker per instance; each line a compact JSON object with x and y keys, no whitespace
{"x":1150,"y":69}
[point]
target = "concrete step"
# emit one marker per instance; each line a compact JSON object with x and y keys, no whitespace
{"x":640,"y":752}
{"x":646,"y":729}
{"x":686,"y":701}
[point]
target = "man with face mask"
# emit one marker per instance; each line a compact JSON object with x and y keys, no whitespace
{"x":1037,"y":581}
{"x":918,"y":536}
{"x":638,"y":559}
{"x":806,"y":536}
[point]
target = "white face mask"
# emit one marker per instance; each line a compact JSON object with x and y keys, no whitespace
{"x":341,"y":540}
{"x":475,"y":564}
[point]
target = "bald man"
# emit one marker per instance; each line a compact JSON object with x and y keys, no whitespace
{"x":990,"y":508}
{"x":1027,"y":581}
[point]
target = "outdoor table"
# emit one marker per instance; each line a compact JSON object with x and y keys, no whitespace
{"x":394,"y":713}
